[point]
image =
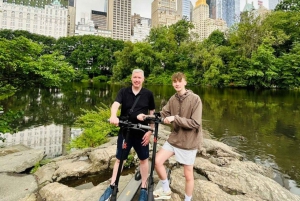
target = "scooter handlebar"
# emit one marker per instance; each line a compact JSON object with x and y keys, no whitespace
{"x":154,"y":118}
{"x":134,"y":126}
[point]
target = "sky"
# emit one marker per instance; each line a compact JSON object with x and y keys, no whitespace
{"x":142,"y":7}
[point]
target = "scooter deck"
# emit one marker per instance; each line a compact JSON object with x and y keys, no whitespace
{"x":130,"y":190}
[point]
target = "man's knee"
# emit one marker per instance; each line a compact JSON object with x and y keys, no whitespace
{"x":143,"y":161}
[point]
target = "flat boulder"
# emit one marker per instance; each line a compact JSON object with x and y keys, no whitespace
{"x":17,"y":187}
{"x":19,"y":158}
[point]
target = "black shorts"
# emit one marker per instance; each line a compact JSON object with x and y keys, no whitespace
{"x":136,"y":143}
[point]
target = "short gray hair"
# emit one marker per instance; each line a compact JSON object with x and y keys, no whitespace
{"x":138,"y":71}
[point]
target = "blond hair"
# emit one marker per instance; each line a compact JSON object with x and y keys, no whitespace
{"x":178,"y":76}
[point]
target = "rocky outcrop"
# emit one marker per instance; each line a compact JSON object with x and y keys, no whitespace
{"x":18,"y":158}
{"x":220,"y":174}
{"x":17,"y":187}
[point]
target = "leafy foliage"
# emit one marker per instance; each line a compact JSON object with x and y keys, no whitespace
{"x":39,"y":164}
{"x":95,"y":128}
{"x":6,"y":118}
{"x":250,"y":54}
{"x":288,"y":5}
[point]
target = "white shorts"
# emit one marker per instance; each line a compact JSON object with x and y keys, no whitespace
{"x":186,"y":157}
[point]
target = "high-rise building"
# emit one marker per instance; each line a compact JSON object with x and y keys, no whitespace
{"x":141,"y":29}
{"x":183,"y":9}
{"x":100,"y":19}
{"x":226,"y":10}
{"x":136,"y":19}
{"x":212,"y":8}
{"x":273,"y":4}
{"x":39,"y":3}
{"x":200,"y":15}
{"x":204,"y":25}
{"x":119,"y":19}
{"x":50,"y":20}
{"x":191,"y":11}
{"x":237,"y":9}
{"x":71,"y":21}
{"x":71,"y":18}
{"x":164,"y":13}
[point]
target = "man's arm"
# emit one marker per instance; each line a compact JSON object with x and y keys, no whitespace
{"x":151,"y":112}
{"x":146,"y":137}
{"x":113,"y":113}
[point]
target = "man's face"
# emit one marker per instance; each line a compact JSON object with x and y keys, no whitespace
{"x":137,"y":79}
{"x":179,"y":85}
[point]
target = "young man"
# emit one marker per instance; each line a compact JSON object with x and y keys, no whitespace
{"x":184,"y":112}
{"x":137,"y":139}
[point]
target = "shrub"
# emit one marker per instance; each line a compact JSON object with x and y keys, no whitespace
{"x":95,"y":128}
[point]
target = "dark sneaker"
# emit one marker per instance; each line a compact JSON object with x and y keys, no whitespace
{"x":107,"y":194}
{"x":143,"y":195}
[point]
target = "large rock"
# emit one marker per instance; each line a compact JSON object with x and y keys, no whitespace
{"x":18,"y":161}
{"x":17,"y":187}
{"x":220,"y":174}
{"x":247,"y":179}
{"x":59,"y":192}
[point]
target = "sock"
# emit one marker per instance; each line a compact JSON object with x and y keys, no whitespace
{"x":187,"y":198}
{"x":165,"y":185}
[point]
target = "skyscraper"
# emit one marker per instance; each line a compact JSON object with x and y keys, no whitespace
{"x":38,"y":3}
{"x":41,"y":19}
{"x":200,"y":14}
{"x":204,"y":25}
{"x":183,"y":9}
{"x":164,"y":13}
{"x":226,"y":10}
{"x":119,"y":19}
{"x":212,"y":8}
{"x":100,"y":19}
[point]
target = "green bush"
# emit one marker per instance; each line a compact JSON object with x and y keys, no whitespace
{"x":95,"y":128}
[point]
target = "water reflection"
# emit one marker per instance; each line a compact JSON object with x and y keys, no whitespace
{"x":51,"y":138}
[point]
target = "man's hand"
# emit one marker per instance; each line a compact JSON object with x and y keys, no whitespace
{"x":141,"y":117}
{"x":146,"y":138}
{"x":114,"y":120}
{"x":169,"y":119}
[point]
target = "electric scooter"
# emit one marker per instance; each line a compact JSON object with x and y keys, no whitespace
{"x":157,"y":120}
{"x":126,"y":126}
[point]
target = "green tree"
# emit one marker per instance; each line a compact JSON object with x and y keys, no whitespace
{"x":94,"y":55}
{"x":281,"y":28}
{"x":288,"y":5}
{"x":47,"y":42}
{"x":288,"y":66}
{"x":22,"y":64}
{"x":262,"y":72}
{"x":216,"y":37}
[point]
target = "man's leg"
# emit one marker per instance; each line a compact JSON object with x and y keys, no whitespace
{"x":115,"y":171}
{"x":189,"y":179}
{"x":144,"y":166}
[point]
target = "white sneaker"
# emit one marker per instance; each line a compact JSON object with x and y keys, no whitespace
{"x":161,"y":194}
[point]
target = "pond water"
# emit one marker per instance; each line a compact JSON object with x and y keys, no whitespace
{"x":263,"y":125}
